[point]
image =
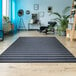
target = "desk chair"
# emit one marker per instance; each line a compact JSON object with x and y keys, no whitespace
{"x":49,"y":28}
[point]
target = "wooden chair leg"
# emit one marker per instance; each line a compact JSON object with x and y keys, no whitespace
{"x":71,"y":39}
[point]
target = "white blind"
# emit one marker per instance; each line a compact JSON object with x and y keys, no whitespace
{"x":5,"y":7}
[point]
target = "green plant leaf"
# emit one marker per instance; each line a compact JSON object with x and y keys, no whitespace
{"x":6,"y":18}
{"x":67,"y":16}
{"x":66,"y":9}
{"x":57,"y":14}
{"x":57,"y":19}
{"x":63,"y":19}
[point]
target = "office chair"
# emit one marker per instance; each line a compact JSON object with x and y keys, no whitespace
{"x":49,"y":28}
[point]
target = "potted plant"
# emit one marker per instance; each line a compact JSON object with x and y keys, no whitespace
{"x":6,"y":18}
{"x":62,"y":19}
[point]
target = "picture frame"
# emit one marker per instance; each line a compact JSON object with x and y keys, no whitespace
{"x":27,"y":12}
{"x":36,"y":6}
{"x":41,"y":14}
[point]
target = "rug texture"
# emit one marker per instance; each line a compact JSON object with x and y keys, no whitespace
{"x":37,"y":50}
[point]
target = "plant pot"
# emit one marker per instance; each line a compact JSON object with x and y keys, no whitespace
{"x":63,"y":33}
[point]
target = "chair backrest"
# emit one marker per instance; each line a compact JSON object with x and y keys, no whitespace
{"x":52,"y":24}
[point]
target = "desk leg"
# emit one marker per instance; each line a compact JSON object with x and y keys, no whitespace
{"x":28,"y":27}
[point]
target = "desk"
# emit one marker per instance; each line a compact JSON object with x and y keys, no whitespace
{"x":29,"y":24}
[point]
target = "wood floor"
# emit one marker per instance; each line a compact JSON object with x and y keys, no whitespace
{"x":37,"y":69}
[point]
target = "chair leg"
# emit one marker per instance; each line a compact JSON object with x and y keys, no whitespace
{"x":71,"y":39}
{"x":46,"y":31}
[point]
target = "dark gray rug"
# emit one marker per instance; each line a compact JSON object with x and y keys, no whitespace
{"x":37,"y":50}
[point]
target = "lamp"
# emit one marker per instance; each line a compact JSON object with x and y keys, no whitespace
{"x":21,"y":22}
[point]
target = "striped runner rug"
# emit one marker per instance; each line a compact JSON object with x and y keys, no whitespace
{"x":37,"y":50}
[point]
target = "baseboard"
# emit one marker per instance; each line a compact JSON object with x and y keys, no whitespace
{"x":22,"y":29}
{"x":33,"y":30}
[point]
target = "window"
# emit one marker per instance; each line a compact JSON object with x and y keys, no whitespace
{"x":5,"y":7}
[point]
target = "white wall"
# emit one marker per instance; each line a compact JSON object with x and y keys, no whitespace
{"x":57,"y":5}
